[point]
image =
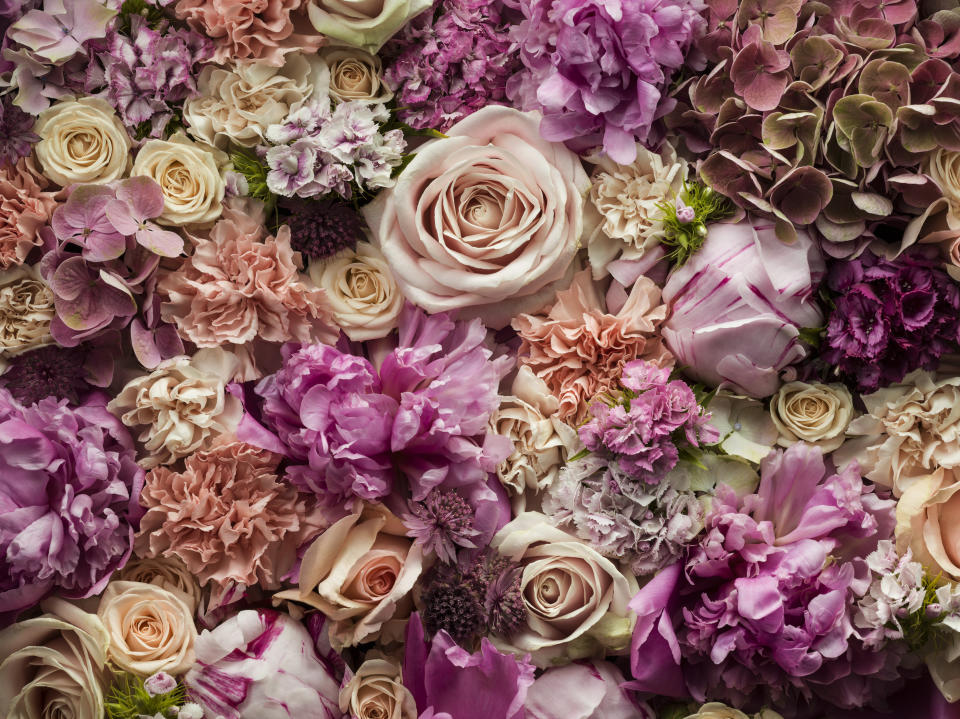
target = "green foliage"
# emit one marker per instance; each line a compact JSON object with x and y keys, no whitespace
{"x":128,"y":699}
{"x":152,"y":13}
{"x":923,"y":628}
{"x":255,"y":172}
{"x":683,"y":239}
{"x":811,"y":335}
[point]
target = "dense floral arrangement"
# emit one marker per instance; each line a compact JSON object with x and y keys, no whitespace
{"x":479,"y":359}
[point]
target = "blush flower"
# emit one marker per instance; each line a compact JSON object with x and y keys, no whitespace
{"x":25,"y":207}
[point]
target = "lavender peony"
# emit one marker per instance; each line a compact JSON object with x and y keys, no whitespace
{"x":263,"y":664}
{"x":738,"y":305}
{"x":69,"y":486}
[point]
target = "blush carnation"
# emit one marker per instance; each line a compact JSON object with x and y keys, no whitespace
{"x":25,"y":207}
{"x":227,"y":516}
{"x":69,"y":485}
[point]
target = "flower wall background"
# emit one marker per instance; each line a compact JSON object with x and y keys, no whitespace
{"x":479,"y":359}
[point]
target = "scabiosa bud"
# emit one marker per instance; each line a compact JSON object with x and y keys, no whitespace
{"x":442,"y":522}
{"x":321,"y":228}
{"x":159,"y":683}
{"x":453,"y":606}
{"x":47,"y":371}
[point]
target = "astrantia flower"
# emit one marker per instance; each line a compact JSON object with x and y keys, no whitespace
{"x":451,"y":62}
{"x":442,"y":522}
{"x":16,"y":133}
{"x":891,"y":316}
{"x":69,"y":489}
{"x":598,"y":69}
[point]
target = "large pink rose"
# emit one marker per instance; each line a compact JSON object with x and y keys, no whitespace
{"x":491,"y":212}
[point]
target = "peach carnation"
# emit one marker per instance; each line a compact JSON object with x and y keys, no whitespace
{"x":25,"y":207}
{"x":251,"y":29}
{"x":228,"y":517}
{"x":239,"y":287}
{"x":579,"y":349}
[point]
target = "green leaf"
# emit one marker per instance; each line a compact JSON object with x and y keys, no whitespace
{"x":811,"y":335}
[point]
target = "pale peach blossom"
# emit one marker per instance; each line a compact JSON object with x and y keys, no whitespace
{"x":579,"y":349}
{"x":25,"y":207}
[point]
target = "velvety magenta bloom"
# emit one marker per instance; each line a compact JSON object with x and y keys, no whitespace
{"x":441,"y":675}
{"x":891,"y":316}
{"x":69,"y":490}
{"x":598,"y":69}
{"x":737,"y":306}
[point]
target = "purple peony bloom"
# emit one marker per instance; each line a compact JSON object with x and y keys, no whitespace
{"x":891,"y":316}
{"x":762,"y":611}
{"x":450,"y":62}
{"x":599,"y":69}
{"x":448,"y":679}
{"x":69,"y":498}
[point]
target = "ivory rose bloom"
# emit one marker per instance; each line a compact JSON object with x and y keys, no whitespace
{"x":25,"y":207}
{"x":364,"y":23}
{"x":190,"y":176}
{"x":357,"y":573}
{"x":813,"y":413}
{"x":363,"y":293}
{"x":944,"y":167}
{"x":182,"y":406}
{"x":82,"y":140}
{"x":376,"y":691}
{"x":151,"y":629}
{"x":238,"y":105}
{"x":54,"y":665}
{"x":541,"y":441}
{"x":716,"y":710}
{"x":167,"y":573}
{"x":26,"y":310}
{"x":928,"y":521}
{"x":576,"y":599}
{"x":491,"y":213}
{"x":355,"y":74}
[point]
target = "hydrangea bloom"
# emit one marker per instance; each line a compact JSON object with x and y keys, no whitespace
{"x":451,"y":62}
{"x":69,"y":490}
{"x":891,"y":316}
{"x":598,"y":69}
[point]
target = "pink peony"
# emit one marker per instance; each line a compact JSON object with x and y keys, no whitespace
{"x":25,"y":207}
{"x":228,"y":517}
{"x":579,"y":349}
{"x":251,"y":29}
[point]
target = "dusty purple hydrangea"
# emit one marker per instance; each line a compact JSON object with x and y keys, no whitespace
{"x":598,"y":70}
{"x":69,"y":496}
{"x":450,"y":62}
{"x":890,"y":316}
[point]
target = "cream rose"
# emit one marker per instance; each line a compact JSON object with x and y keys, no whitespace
{"x":182,"y":406}
{"x":151,"y":629}
{"x":190,"y":176}
{"x":26,"y":310}
{"x":376,"y":691}
{"x":944,"y":167}
{"x":165,"y":572}
{"x":238,"y":105}
{"x":716,"y":710}
{"x":362,"y":291}
{"x":928,"y":521}
{"x":576,"y":600}
{"x":486,"y":218}
{"x":359,"y":573}
{"x":54,"y":665}
{"x":82,"y":141}
{"x":363,"y":23}
{"x":541,"y":441}
{"x":355,"y":75}
{"x":814,"y":413}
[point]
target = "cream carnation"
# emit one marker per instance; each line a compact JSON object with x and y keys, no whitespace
{"x":362,"y":291}
{"x":151,"y":629}
{"x":82,"y":140}
{"x":182,"y":406}
{"x":814,"y":413}
{"x":190,"y":177}
{"x":26,"y":310}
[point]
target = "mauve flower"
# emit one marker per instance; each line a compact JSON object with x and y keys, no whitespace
{"x":25,"y":207}
{"x":598,"y":69}
{"x":440,"y":675}
{"x":737,"y":306}
{"x":16,"y":132}
{"x":261,"y":661}
{"x":82,"y":221}
{"x":69,"y":486}
{"x":580,"y":350}
{"x":228,"y":517}
{"x":138,"y":200}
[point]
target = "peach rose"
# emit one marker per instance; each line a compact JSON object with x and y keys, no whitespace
{"x":82,"y":141}
{"x":928,"y":521}
{"x":25,"y":207}
{"x":363,"y":23}
{"x":489,"y":214}
{"x":167,"y":573}
{"x":355,"y":74}
{"x":376,"y":691}
{"x":358,"y":573}
{"x":151,"y":629}
{"x":576,"y":599}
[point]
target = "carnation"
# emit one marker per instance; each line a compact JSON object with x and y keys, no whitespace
{"x":890,"y":316}
{"x":450,"y":62}
{"x":69,"y":485}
